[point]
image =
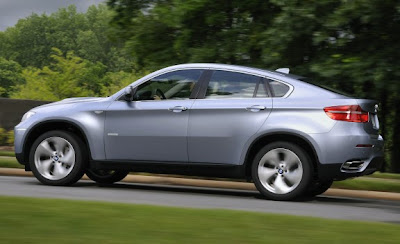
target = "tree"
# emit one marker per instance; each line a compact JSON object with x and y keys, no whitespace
{"x":10,"y":76}
{"x":67,"y":76}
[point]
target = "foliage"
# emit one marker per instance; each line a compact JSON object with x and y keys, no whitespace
{"x":31,"y":40}
{"x":10,"y":75}
{"x":10,"y":138}
{"x":3,"y":136}
{"x":68,"y":76}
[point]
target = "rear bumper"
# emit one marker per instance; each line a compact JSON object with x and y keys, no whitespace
{"x":335,"y":172}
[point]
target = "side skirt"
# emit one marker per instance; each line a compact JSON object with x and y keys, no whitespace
{"x":189,"y":169}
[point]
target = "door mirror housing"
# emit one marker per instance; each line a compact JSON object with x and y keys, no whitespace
{"x":129,"y":93}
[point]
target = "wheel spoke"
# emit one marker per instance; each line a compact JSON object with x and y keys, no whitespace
{"x":69,"y":157}
{"x":294,"y":176}
{"x":280,"y":185}
{"x":60,"y":144}
{"x":291,"y":160}
{"x":271,"y":158}
{"x":59,"y":170}
{"x":44,"y":149}
{"x":45,"y":166}
{"x":264,"y":173}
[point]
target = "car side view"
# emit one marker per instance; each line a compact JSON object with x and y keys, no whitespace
{"x":290,"y":137}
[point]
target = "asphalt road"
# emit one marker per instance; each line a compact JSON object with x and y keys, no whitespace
{"x":196,"y":197}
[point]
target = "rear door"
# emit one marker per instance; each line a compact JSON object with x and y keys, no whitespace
{"x":230,"y":108}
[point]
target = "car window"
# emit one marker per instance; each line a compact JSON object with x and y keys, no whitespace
{"x":225,"y":84}
{"x":279,"y":89}
{"x":171,"y":86}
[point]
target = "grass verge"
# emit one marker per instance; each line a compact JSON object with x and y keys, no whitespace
{"x":369,"y":184}
{"x":29,"y":220}
{"x":9,"y":162}
{"x":7,"y":153}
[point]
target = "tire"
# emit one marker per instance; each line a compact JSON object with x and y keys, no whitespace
{"x":318,"y":187}
{"x":58,"y":158}
{"x":106,"y":176}
{"x":282,"y":171}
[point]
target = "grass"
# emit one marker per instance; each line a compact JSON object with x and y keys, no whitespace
{"x":385,"y":176}
{"x":369,"y":184}
{"x":7,"y":153}
{"x":29,"y":220}
{"x":9,"y":162}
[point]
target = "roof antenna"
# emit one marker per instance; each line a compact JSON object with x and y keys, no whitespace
{"x":283,"y":70}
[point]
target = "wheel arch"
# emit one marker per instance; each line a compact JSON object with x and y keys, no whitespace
{"x":49,"y":125}
{"x":267,"y":138}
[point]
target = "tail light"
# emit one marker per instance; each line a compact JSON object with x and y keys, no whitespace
{"x":349,"y":113}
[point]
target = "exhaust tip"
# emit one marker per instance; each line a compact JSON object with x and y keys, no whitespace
{"x":354,"y":166}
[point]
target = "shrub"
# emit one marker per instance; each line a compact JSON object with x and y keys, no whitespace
{"x":10,"y":138}
{"x":3,"y":137}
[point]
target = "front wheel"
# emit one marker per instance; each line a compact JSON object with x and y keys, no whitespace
{"x":58,"y":158}
{"x":282,"y":171}
{"x":106,"y":176}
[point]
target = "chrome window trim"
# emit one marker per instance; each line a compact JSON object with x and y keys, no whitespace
{"x":291,"y":88}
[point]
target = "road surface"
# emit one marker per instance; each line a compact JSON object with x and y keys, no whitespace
{"x":198,"y":197}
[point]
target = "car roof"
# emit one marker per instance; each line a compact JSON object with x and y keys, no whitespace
{"x":235,"y":67}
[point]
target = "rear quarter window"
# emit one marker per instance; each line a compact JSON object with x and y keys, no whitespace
{"x":278,"y":89}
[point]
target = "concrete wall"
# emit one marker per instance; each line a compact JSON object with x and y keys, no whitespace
{"x":12,"y":110}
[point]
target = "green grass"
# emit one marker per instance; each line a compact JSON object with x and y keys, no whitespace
{"x":369,"y":184}
{"x":9,"y":162}
{"x":7,"y":153}
{"x":385,"y":176}
{"x":28,"y":220}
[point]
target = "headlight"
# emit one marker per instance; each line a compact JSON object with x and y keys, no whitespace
{"x":27,"y":115}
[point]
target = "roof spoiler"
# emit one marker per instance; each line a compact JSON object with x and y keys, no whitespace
{"x":283,"y":70}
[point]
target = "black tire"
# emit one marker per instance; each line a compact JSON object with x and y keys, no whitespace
{"x":300,"y":187}
{"x":106,"y":176}
{"x":318,"y":187}
{"x":80,"y":162}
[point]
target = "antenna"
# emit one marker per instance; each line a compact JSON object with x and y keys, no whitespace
{"x":283,"y":70}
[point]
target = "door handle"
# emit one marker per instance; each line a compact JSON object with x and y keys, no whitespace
{"x":255,"y":108}
{"x":178,"y":109}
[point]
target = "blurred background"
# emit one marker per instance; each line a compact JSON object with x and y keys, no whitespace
{"x":51,"y":50}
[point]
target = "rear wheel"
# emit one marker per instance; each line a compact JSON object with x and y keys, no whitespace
{"x":106,"y":176}
{"x":58,"y":158}
{"x":281,"y":171}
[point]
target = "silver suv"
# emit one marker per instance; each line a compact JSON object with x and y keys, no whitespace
{"x":289,"y":137}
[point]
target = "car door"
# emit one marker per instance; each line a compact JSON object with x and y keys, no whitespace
{"x":153,"y":127}
{"x":230,"y":108}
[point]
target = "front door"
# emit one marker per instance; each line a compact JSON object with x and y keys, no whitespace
{"x":153,"y":127}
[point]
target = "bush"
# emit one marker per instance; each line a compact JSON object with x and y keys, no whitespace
{"x":10,"y":138}
{"x":3,"y":137}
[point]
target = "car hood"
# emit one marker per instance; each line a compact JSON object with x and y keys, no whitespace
{"x":73,"y":101}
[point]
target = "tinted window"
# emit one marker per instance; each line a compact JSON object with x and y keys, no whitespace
{"x":173,"y":85}
{"x":279,"y":89}
{"x":224,"y":84}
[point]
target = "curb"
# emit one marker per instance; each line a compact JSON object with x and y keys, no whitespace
{"x":168,"y":180}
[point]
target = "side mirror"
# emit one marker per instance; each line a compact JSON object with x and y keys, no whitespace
{"x":129,"y":93}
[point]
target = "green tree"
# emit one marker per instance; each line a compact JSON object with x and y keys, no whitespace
{"x":10,"y":76}
{"x":67,"y":76}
